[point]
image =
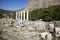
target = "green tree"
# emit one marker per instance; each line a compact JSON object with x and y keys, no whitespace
{"x":47,"y":14}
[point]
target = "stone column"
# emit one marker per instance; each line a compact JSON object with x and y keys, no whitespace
{"x":16,"y":14}
{"x":21,"y":15}
{"x":24,"y":14}
{"x":27,"y":15}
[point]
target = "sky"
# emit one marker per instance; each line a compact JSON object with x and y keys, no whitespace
{"x":13,"y":4}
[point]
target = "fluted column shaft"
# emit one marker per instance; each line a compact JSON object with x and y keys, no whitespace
{"x":16,"y":15}
{"x":21,"y":15}
{"x":24,"y":15}
{"x":27,"y":15}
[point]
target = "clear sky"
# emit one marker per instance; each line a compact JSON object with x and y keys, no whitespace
{"x":13,"y":4}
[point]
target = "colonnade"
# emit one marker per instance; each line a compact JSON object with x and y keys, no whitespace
{"x":23,"y":15}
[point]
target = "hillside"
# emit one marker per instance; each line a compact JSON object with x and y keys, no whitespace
{"x":47,"y":14}
{"x":36,"y":4}
{"x":5,"y":13}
